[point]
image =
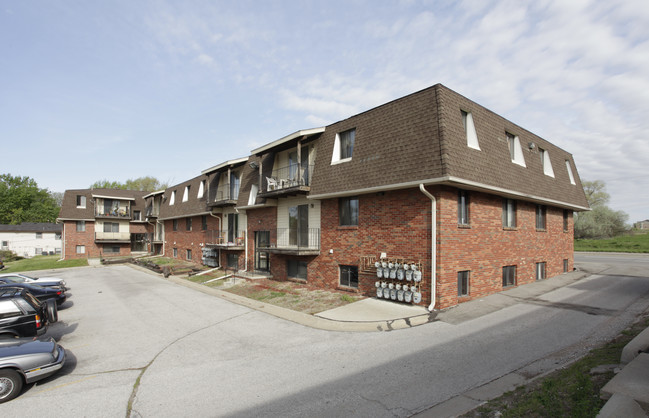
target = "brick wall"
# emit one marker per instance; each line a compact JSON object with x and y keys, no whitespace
{"x":184,"y":240}
{"x":73,"y":238}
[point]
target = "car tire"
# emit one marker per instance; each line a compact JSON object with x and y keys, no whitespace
{"x":10,"y":385}
{"x":52,"y":312}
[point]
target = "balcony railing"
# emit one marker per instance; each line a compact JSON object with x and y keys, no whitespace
{"x":225,"y":239}
{"x":121,"y":213}
{"x":152,"y":212}
{"x":294,"y":240}
{"x":289,"y":177}
{"x":113,"y":236}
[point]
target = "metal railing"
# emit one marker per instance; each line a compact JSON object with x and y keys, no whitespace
{"x":116,"y":213}
{"x":235,"y":239}
{"x":291,"y":238}
{"x":113,"y":236}
{"x":290,"y":176}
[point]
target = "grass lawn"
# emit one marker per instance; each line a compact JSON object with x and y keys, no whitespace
{"x":42,"y":262}
{"x":569,"y":392}
{"x":637,"y":243}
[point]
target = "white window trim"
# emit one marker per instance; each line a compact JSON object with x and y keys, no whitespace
{"x":201,"y":189}
{"x":335,"y":157}
{"x":186,"y":194}
{"x":172,"y":199}
{"x":518,"y":152}
{"x":471,"y":134}
{"x":570,"y":174}
{"x":252,"y":198}
{"x":547,"y":165}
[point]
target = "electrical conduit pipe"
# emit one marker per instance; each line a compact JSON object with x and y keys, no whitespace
{"x":433,"y":239}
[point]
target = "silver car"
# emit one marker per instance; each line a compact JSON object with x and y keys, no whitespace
{"x":26,"y":360}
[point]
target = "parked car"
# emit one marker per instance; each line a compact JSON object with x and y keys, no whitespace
{"x":42,"y":293}
{"x":22,"y":315}
{"x":24,"y":361}
{"x":35,"y":280}
{"x":13,"y":278}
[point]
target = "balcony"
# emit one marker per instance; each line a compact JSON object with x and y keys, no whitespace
{"x":224,"y":196}
{"x":151,"y":212}
{"x":113,"y":236}
{"x":294,"y":241}
{"x":121,"y":213}
{"x":235,"y":240}
{"x":287,"y":181}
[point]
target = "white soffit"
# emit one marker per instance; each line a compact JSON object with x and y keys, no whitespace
{"x":304,"y":132}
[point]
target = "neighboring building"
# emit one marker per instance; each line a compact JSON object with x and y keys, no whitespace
{"x":470,"y":202}
{"x":104,"y":223}
{"x":642,"y":224}
{"x":29,"y":239}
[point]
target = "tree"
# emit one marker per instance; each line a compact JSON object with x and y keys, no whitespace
{"x":148,"y":184}
{"x":601,"y":221}
{"x":21,"y":200}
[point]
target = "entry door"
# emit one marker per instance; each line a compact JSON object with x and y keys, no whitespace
{"x":233,"y":226}
{"x":299,"y":225}
{"x":262,"y":241}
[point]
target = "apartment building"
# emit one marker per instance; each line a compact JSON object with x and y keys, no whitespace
{"x":429,"y":199}
{"x":31,"y":238}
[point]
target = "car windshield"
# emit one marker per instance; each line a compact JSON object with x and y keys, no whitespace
{"x":15,"y":279}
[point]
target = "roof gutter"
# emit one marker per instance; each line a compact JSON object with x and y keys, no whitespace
{"x":433,"y":248}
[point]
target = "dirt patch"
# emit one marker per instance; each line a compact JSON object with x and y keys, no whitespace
{"x":290,"y":295}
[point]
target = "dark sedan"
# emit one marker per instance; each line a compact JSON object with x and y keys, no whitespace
{"x":24,"y":361}
{"x":42,"y":293}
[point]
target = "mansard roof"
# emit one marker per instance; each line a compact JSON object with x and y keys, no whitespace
{"x":194,"y":205}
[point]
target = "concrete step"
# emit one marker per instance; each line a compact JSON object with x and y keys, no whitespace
{"x":632,"y":382}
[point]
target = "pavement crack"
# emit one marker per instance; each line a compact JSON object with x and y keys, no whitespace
{"x":130,"y":413}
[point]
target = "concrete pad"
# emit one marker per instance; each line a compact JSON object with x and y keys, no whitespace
{"x":496,"y":387}
{"x":632,"y":381}
{"x":373,"y":310}
{"x":450,"y":408}
{"x":621,"y":406}
{"x":637,"y":344}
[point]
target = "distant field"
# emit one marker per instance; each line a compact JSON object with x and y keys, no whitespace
{"x":42,"y":262}
{"x":638,"y":243}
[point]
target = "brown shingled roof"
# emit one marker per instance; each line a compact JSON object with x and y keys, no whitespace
{"x":69,"y":208}
{"x":192,"y":207}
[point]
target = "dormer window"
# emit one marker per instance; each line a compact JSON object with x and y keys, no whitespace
{"x":569,"y":168}
{"x":515,"y":150}
{"x":343,"y":146}
{"x":186,"y":193}
{"x":201,"y":189}
{"x":469,"y":130}
{"x":547,"y":165}
{"x":172,"y":199}
{"x":81,"y":201}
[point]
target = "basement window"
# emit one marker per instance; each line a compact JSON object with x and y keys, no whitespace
{"x":509,"y":276}
{"x":349,"y":276}
{"x":469,"y":130}
{"x":515,"y":150}
{"x":540,"y":271}
{"x":463,"y":283}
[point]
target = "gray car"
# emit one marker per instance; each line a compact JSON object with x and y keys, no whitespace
{"x":26,"y":360}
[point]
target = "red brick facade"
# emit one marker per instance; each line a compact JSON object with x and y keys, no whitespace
{"x":183,"y":239}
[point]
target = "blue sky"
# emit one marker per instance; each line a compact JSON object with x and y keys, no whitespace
{"x":93,"y":90}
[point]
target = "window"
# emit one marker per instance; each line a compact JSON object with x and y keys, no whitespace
{"x":343,"y":146}
{"x":175,"y":225}
{"x":137,"y":215}
{"x":172,"y":200}
{"x":81,"y":249}
{"x":509,"y":276}
{"x":57,"y":236}
{"x":175,"y":252}
{"x":252,"y":197}
{"x":463,"y":283}
{"x":469,"y":130}
{"x":204,"y":223}
{"x":545,"y":161}
{"x":81,"y":226}
{"x":201,"y":189}
{"x":296,"y":269}
{"x":233,"y":261}
{"x":186,"y":193}
{"x":234,"y":186}
{"x":509,"y":213}
{"x":189,"y":254}
{"x":39,"y":235}
{"x":81,"y":202}
{"x":5,"y":244}
{"x":38,"y":251}
{"x":349,"y":276}
{"x":111,"y":227}
{"x":188,"y":224}
{"x":111,"y":249}
{"x":540,"y":271}
{"x":566,"y":219}
{"x":570,"y":175}
{"x":348,"y":207}
{"x":565,"y":265}
{"x":515,"y":150}
{"x":541,"y":217}
{"x":233,"y":227}
{"x":463,"y":207}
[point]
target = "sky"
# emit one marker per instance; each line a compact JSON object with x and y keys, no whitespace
{"x":116,"y":90}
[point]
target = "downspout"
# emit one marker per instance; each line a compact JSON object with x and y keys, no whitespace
{"x":433,"y":238}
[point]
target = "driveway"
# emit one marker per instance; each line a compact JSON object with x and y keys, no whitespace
{"x":137,"y":340}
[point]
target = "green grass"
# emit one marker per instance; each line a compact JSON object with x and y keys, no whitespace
{"x":42,"y":262}
{"x":637,"y":243}
{"x":572,"y":391}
